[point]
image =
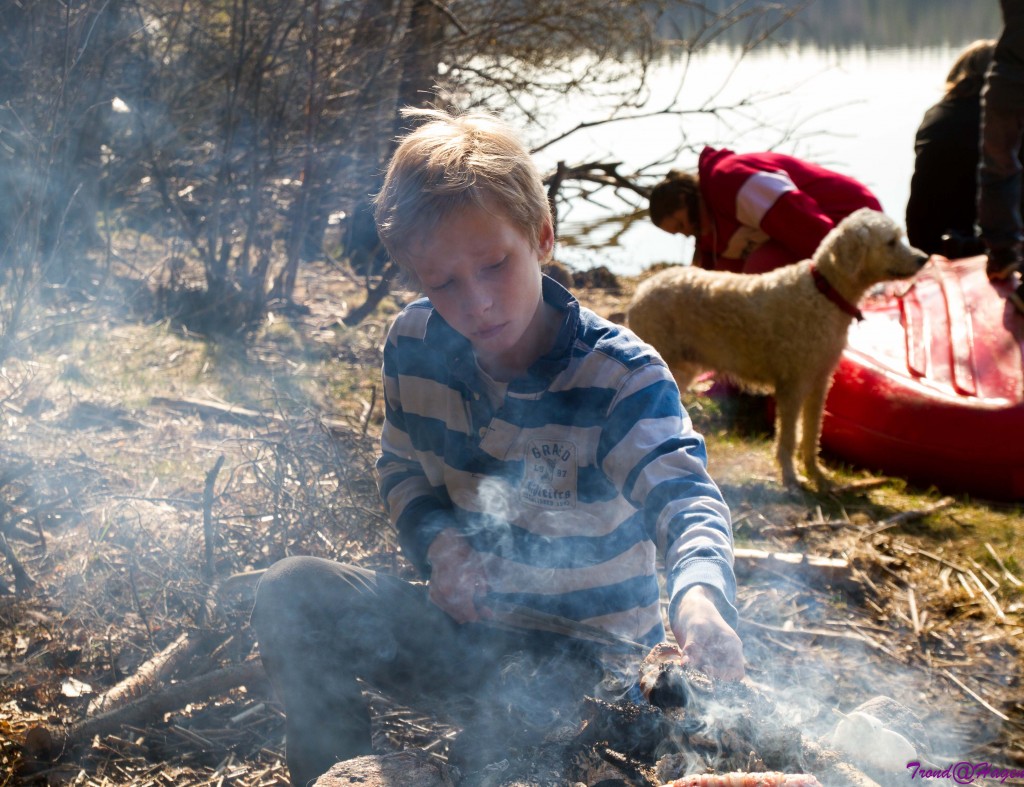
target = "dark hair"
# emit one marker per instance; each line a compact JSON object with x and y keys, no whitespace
{"x":678,"y":190}
{"x":967,"y":75}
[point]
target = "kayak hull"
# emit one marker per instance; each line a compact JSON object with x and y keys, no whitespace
{"x":931,"y":384}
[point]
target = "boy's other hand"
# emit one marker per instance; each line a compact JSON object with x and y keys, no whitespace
{"x":457,"y":579}
{"x":707,"y":641}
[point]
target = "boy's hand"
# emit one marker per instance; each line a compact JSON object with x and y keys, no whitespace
{"x":706,"y":639}
{"x":457,"y":578}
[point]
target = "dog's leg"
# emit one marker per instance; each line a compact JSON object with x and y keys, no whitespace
{"x":787,"y":413}
{"x":813,"y":411}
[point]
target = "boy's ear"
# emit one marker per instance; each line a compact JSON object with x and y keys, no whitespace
{"x":547,"y":239}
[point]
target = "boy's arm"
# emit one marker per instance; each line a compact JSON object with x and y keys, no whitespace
{"x":664,"y":461}
{"x":417,"y":513}
{"x":413,"y":506}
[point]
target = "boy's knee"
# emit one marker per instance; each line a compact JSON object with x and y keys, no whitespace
{"x":302,"y":583}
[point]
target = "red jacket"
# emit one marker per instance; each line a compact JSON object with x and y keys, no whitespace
{"x":751,"y":198}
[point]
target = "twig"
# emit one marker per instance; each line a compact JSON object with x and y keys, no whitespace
{"x":909,"y":516}
{"x":988,"y":596}
{"x":1006,"y":572}
{"x":977,"y":697}
{"x":369,"y":410}
{"x":861,"y":638}
{"x":23,"y":581}
{"x":915,"y":620}
{"x":208,"y":534}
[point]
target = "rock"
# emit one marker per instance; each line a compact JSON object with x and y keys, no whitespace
{"x":409,"y":768}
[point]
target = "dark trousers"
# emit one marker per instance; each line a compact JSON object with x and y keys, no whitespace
{"x":322,"y":625}
{"x":999,"y":177}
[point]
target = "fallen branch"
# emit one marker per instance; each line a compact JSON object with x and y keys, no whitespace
{"x":51,"y":745}
{"x":152,"y":672}
{"x":239,"y":414}
{"x":817,"y":568}
{"x":909,"y":516}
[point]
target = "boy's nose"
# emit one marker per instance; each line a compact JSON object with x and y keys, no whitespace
{"x":478,"y":299}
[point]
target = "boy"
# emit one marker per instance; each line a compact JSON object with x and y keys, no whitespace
{"x":534,"y":457}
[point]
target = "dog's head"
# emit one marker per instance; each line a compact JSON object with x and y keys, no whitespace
{"x":868,"y":247}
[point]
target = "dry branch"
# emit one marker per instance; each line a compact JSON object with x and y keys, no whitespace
{"x":23,"y":581}
{"x":153,"y":706}
{"x":910,"y":516}
{"x":209,"y":567}
{"x":813,"y":568}
{"x":245,"y":415}
{"x":156,"y":670}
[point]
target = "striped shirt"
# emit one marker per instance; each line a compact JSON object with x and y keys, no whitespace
{"x":571,"y":486}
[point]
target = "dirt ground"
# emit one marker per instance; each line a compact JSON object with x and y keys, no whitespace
{"x":144,"y":465}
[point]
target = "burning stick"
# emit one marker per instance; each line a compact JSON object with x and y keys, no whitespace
{"x":767,"y":779}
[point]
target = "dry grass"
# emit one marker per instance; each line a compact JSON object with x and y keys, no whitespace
{"x":107,"y":456}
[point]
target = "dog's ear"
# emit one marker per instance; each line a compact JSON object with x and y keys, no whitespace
{"x":851,"y":249}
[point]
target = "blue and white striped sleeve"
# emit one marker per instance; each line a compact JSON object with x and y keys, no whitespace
{"x":410,"y":500}
{"x":661,"y":462}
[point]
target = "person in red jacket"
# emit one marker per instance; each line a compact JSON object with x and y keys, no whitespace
{"x":754,"y":212}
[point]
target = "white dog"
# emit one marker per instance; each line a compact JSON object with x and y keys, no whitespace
{"x":782,"y":331}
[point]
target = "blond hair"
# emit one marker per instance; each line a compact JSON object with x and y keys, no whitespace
{"x":449,"y":163}
{"x":967,"y":76}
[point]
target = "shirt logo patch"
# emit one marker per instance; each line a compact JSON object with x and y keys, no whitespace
{"x":550,"y":473}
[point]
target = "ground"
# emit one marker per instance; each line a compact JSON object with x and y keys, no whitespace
{"x":144,"y":464}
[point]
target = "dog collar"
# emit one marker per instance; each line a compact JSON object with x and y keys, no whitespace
{"x":825,"y":288}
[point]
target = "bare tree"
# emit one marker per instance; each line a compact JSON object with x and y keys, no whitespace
{"x":55,"y":80}
{"x":244,"y":126}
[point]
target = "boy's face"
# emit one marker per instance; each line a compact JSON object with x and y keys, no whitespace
{"x":483,"y":275}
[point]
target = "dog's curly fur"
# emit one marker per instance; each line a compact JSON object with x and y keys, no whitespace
{"x":774,"y":332}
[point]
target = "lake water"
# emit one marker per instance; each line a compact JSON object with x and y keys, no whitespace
{"x":854,"y":110}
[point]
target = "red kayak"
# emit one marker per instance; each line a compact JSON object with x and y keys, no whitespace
{"x":931,"y":385}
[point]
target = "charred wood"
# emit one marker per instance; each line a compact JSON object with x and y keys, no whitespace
{"x":735,"y":720}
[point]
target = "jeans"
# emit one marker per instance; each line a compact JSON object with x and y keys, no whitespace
{"x":999,"y":177}
{"x":323,"y":626}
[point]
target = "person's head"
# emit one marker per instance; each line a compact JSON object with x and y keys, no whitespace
{"x":674,"y":203}
{"x":451,"y":162}
{"x":464,"y":213}
{"x":967,"y":76}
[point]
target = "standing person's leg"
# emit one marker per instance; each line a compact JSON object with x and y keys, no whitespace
{"x":999,"y":188}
